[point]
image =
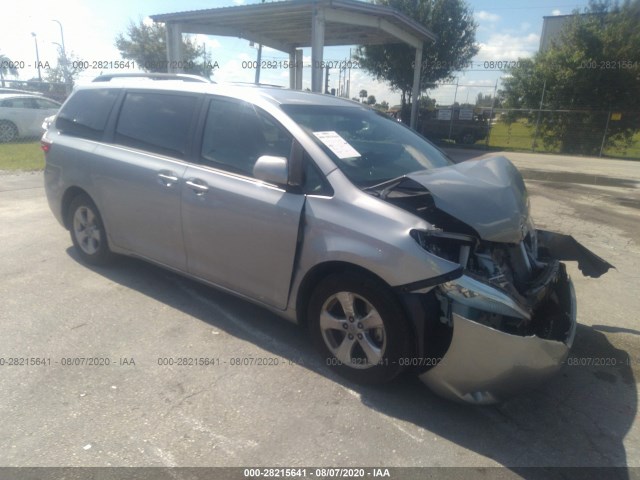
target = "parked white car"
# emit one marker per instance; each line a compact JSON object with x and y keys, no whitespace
{"x":21,"y":115}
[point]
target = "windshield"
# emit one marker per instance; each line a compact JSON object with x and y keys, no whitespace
{"x":368,"y":146}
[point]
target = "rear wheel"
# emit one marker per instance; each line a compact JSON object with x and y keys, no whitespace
{"x":467,"y":138}
{"x":8,"y":132}
{"x":360,"y":328}
{"x":87,"y":231}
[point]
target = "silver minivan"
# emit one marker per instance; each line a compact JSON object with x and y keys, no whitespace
{"x":329,"y":213}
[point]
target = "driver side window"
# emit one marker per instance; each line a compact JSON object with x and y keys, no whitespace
{"x":236,"y":135}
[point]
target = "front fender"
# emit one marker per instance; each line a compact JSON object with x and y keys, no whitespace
{"x":377,"y":241}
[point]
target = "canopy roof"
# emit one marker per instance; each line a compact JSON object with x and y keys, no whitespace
{"x":291,"y":25}
{"x":286,"y":25}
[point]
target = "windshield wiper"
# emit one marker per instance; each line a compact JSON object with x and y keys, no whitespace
{"x":386,"y":186}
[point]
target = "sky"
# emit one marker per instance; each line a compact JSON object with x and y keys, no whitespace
{"x":507,"y":30}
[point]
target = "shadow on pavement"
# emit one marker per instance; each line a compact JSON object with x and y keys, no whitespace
{"x":577,"y":419}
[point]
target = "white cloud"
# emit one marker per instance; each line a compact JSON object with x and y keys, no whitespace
{"x":556,"y":12}
{"x":238,"y":2}
{"x":501,"y":46}
{"x":360,"y":80}
{"x":90,"y":40}
{"x":486,"y":16}
{"x":211,"y":43}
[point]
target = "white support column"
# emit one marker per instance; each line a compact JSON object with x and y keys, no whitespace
{"x":292,"y":71}
{"x":317,"y":47}
{"x":415,"y":92}
{"x":299,"y":69}
{"x":174,"y":48}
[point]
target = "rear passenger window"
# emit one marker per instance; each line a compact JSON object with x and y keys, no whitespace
{"x":156,"y":122}
{"x":236,"y":135}
{"x":85,"y":114}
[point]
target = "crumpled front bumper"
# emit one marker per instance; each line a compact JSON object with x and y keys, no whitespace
{"x":483,"y":365}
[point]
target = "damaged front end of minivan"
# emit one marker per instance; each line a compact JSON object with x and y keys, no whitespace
{"x":510,"y":319}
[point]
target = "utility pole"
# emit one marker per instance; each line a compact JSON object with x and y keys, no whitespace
{"x":535,"y":137}
{"x":65,"y":71}
{"x":493,"y":105}
{"x":35,"y":39}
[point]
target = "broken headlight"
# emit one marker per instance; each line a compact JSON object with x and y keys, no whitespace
{"x":455,"y":247}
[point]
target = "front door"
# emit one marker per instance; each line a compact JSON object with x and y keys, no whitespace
{"x":239,"y":232}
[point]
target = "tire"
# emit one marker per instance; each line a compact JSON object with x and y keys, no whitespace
{"x":466,"y":138}
{"x":8,"y":132}
{"x":359,"y":327}
{"x":88,"y":234}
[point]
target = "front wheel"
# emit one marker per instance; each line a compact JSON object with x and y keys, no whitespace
{"x":87,"y":231}
{"x":360,"y":328}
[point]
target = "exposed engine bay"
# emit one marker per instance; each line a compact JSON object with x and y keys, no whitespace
{"x":512,"y":279}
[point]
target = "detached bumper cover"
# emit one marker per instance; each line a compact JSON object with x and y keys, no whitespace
{"x":484,"y":365}
{"x":565,"y":247}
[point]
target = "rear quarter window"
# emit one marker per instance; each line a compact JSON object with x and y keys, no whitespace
{"x":85,"y":114}
{"x":156,"y":122}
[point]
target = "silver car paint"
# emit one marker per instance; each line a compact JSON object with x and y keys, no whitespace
{"x":140,"y":196}
{"x":240,"y":233}
{"x":487,"y":194}
{"x":349,"y":226}
{"x":356,"y":228}
{"x":484,"y":365}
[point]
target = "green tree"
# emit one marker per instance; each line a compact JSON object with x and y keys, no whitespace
{"x":66,"y":70}
{"x":450,"y":20}
{"x":363,"y":94}
{"x":60,"y":79}
{"x":371,"y":100}
{"x":146,"y":45}
{"x":6,"y":68}
{"x":427,"y":102}
{"x":382,"y":106}
{"x":486,"y":101}
{"x":592,"y":68}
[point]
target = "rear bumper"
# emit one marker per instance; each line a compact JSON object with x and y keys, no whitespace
{"x":484,"y":365}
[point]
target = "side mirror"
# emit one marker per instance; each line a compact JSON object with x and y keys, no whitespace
{"x":272,"y":170}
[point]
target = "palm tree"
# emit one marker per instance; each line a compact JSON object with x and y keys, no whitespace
{"x":6,"y":68}
{"x":363,"y":95}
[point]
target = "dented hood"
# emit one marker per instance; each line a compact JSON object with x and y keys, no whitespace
{"x":488,"y":195}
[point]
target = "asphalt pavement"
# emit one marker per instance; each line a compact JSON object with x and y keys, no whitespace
{"x":104,"y":383}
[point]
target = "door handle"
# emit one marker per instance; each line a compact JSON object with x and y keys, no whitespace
{"x":167,"y":178}
{"x":197,"y":185}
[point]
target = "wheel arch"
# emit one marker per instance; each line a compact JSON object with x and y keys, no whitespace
{"x":325,"y":269}
{"x":67,"y":198}
{"x":314,"y":276}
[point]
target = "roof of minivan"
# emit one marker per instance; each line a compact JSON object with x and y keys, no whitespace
{"x":275,"y":95}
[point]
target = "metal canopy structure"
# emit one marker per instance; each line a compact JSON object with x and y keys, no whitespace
{"x":291,"y":25}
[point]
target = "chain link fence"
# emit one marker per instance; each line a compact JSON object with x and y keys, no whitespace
{"x":611,"y":133}
{"x":464,"y":118}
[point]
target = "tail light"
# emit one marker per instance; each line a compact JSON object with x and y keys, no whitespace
{"x":45,"y":144}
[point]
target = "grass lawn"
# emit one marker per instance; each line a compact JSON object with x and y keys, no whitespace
{"x":21,"y":156}
{"x":519,"y":136}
